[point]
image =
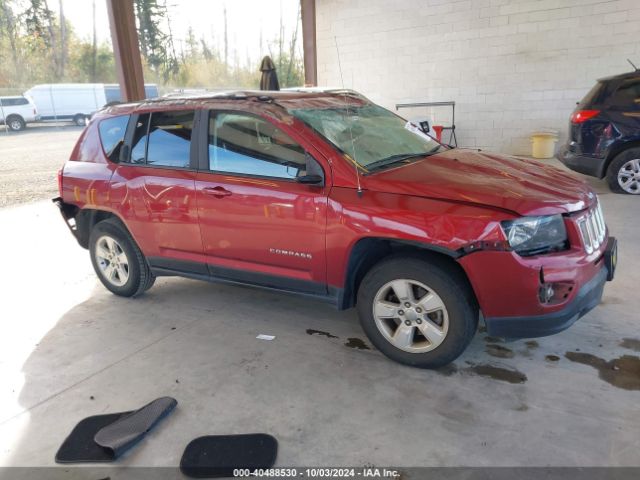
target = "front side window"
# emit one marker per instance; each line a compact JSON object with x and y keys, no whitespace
{"x":163,"y":139}
{"x":369,"y":134}
{"x":248,"y":145}
{"x":112,"y":131}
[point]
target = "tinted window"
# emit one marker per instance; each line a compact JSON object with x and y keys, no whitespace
{"x":12,"y":102}
{"x":248,"y":145}
{"x":112,"y":131}
{"x":139,"y":144}
{"x":163,"y":139}
{"x":628,"y":94}
{"x":170,"y":139}
{"x":593,"y":96}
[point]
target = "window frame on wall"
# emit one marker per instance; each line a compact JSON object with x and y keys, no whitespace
{"x":211,"y":116}
{"x":147,"y":118}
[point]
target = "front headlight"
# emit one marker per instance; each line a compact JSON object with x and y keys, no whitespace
{"x":534,"y":235}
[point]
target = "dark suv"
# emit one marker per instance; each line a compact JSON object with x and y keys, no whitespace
{"x":604,"y":134}
{"x":327,"y":195}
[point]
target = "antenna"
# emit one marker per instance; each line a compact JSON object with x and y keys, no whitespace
{"x":346,"y":104}
{"x":634,"y":67}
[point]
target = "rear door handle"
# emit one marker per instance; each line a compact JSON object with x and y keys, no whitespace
{"x":217,"y":192}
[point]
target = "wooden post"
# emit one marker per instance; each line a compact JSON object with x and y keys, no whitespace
{"x":124,"y":36}
{"x":308,"y":10}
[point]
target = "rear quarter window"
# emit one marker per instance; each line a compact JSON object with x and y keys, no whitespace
{"x":13,"y":102}
{"x":593,"y":96}
{"x":112,"y":131}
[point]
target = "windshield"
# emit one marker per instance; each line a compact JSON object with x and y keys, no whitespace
{"x":372,"y":136}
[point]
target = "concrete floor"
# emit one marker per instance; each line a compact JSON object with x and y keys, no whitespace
{"x":69,"y":349}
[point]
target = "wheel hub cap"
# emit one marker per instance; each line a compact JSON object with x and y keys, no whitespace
{"x":112,"y":261}
{"x":629,"y":176}
{"x":411,"y":316}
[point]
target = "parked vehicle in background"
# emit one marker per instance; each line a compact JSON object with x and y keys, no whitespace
{"x":325,"y":194}
{"x":77,"y":102}
{"x":604,"y":133}
{"x":68,"y":101}
{"x":113,"y":94}
{"x":17,"y":111}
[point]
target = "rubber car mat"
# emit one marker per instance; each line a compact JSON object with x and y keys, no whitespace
{"x":215,"y":456}
{"x":79,"y":446}
{"x":128,"y":430}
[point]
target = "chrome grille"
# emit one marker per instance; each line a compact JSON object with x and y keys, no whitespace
{"x":592,"y":229}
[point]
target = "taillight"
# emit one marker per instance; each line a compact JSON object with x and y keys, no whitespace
{"x":580,"y":116}
{"x":60,"y":181}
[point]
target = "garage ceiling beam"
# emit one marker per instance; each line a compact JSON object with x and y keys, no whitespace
{"x":124,"y":37}
{"x":308,"y":11}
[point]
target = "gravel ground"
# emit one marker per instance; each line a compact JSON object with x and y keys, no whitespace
{"x":29,"y":161}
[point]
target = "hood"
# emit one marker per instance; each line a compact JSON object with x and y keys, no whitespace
{"x":522,"y":186}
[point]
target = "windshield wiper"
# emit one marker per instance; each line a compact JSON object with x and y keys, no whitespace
{"x":393,"y":159}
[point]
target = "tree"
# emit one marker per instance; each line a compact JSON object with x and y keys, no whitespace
{"x":151,"y":15}
{"x":8,"y":30}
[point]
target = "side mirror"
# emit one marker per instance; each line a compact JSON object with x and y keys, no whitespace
{"x":311,"y":180}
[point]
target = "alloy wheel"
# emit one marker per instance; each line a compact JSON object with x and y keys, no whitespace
{"x":410,"y":315}
{"x":629,"y":176}
{"x":112,"y":261}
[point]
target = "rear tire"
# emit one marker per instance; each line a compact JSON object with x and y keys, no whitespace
{"x":16,"y":123}
{"x":427,"y":326}
{"x":80,"y":120}
{"x":117,"y":260}
{"x":623,"y":174}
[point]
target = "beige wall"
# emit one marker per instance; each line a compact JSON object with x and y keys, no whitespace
{"x":513,"y":67}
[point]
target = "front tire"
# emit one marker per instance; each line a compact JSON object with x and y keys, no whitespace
{"x":623,"y":174}
{"x":417,"y":312}
{"x":117,"y":260}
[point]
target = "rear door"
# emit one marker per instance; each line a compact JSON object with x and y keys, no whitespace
{"x":154,"y":188}
{"x":258,"y":223}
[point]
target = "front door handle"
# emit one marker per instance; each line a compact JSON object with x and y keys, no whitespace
{"x":217,"y":192}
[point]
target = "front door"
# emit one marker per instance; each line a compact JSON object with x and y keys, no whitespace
{"x":258,"y":223}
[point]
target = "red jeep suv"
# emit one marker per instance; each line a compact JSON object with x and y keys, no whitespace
{"x":325,"y":194}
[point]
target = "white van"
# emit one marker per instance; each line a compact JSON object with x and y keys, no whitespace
{"x":18,"y":111}
{"x":68,"y":101}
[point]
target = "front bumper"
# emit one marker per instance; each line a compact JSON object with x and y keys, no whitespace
{"x":585,"y":164}
{"x":588,"y":297}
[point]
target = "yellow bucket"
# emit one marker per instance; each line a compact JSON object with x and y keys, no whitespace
{"x":543,"y":144}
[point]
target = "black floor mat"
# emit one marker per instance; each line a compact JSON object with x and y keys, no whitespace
{"x":219,"y":455}
{"x":79,"y":446}
{"x":128,"y":430}
{"x":103,"y":438}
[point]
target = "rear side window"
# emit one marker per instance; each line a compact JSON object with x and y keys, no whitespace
{"x":628,"y":94}
{"x":112,"y":131}
{"x":14,"y":102}
{"x":163,"y":139}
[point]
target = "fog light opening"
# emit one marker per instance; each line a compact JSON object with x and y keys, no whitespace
{"x":547,"y":293}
